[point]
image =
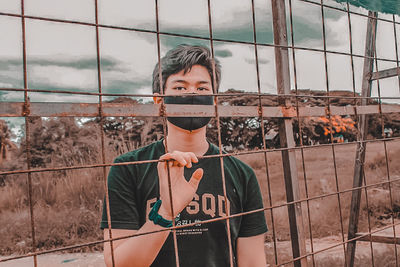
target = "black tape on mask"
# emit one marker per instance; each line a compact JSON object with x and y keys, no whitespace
{"x":189,"y":123}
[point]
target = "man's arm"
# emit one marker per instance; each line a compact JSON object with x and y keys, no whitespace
{"x":250,"y":251}
{"x":144,"y":248}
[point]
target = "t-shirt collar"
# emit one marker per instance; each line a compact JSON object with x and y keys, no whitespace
{"x":210,"y":151}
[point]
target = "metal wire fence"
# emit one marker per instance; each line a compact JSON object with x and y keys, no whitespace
{"x":290,"y":109}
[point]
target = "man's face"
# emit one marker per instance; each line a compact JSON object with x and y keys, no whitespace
{"x":196,"y":84}
{"x":195,"y":81}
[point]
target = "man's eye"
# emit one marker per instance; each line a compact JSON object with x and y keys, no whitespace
{"x":179,"y":88}
{"x":203,"y":89}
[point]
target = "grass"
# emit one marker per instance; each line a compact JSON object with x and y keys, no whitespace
{"x":66,"y":211}
{"x":67,"y":205}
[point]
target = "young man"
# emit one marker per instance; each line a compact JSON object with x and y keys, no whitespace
{"x":139,"y":194}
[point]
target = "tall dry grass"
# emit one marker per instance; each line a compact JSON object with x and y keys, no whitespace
{"x":66,"y":210}
{"x":317,"y":177}
{"x":67,"y":206}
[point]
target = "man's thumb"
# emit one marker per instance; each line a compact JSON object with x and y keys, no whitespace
{"x":196,"y":177}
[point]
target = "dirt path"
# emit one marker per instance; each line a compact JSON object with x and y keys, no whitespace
{"x":383,"y":255}
{"x":334,"y":257}
{"x":60,"y":260}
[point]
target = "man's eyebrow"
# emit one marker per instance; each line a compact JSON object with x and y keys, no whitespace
{"x":184,"y":81}
{"x":203,"y":82}
{"x":179,"y":81}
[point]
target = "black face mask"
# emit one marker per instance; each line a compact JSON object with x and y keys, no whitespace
{"x":189,"y":123}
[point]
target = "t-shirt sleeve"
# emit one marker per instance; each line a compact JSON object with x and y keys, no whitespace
{"x":122,"y":199}
{"x":252,"y":224}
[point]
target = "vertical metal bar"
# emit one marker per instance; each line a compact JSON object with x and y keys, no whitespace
{"x":176,"y":252}
{"x":354,"y":91}
{"x":301,"y":132}
{"x":397,"y":52}
{"x":330,"y":123}
{"x":27,"y":132}
{"x":365,"y":180}
{"x":286,"y":133}
{"x":351,"y":54}
{"x":391,"y":202}
{"x":221,"y":160}
{"x":262,"y":128}
{"x":386,"y":154}
{"x":361,"y":146}
{"x":101,"y":129}
{"x":369,"y":221}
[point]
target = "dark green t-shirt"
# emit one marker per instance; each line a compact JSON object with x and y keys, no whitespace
{"x":133,"y":189}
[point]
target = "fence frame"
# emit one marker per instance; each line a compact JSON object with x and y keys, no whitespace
{"x":285,"y":111}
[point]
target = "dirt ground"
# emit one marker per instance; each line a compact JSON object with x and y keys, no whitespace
{"x":383,"y":254}
{"x":60,"y":260}
{"x":332,"y":257}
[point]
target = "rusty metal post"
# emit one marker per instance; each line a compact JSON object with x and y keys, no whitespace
{"x":286,"y":133}
{"x":363,"y":130}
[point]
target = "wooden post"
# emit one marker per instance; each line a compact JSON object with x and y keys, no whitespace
{"x":286,"y":134}
{"x":363,"y":130}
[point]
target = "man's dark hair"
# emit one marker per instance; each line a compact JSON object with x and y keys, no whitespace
{"x":184,"y":57}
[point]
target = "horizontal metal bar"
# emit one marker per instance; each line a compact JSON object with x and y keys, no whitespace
{"x":379,"y":239}
{"x":221,"y":94}
{"x":383,"y":74}
{"x":16,"y":109}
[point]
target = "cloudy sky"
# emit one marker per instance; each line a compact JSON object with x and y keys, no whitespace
{"x":62,"y":56}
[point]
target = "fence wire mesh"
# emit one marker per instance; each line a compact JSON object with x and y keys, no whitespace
{"x":361,"y":211}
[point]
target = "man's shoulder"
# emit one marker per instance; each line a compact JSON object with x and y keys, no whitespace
{"x":147,"y":152}
{"x":239,"y":164}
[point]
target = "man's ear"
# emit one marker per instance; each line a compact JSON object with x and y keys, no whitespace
{"x":156,"y":98}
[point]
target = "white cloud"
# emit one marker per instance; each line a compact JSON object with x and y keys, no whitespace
{"x":80,"y":10}
{"x":267,"y":71}
{"x":64,"y":77}
{"x":388,"y":88}
{"x":12,"y":45}
{"x":12,"y":96}
{"x":337,"y":34}
{"x":230,"y":14}
{"x":128,"y":13}
{"x":10,"y":6}
{"x":135,"y":52}
{"x":5,"y":85}
{"x":68,"y":98}
{"x":186,"y":13}
{"x":237,"y":71}
{"x":50,"y":39}
{"x":385,"y":44}
{"x":194,"y":13}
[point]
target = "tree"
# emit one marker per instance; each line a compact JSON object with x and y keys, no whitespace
{"x":5,"y":141}
{"x":60,"y":142}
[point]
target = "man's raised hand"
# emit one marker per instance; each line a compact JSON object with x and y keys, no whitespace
{"x":182,"y":191}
